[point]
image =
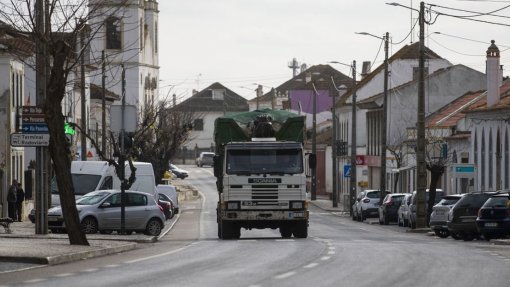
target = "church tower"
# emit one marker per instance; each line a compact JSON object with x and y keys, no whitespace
{"x":127,"y":32}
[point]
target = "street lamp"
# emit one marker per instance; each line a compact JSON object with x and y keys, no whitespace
{"x":352,"y":191}
{"x":382,"y":185}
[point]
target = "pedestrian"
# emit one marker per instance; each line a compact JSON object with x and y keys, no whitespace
{"x":11,"y":199}
{"x":20,"y":197}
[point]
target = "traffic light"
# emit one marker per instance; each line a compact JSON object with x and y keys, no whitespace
{"x":68,"y":129}
{"x":341,"y":147}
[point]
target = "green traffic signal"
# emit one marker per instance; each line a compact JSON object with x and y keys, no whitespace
{"x":68,"y":129}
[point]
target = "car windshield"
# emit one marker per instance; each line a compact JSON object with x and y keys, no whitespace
{"x":473,"y":200}
{"x":92,"y":198}
{"x":83,"y":183}
{"x":498,"y":201}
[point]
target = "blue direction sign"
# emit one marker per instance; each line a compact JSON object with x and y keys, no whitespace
{"x":34,"y":128}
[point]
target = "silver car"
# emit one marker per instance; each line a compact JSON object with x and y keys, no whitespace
{"x":439,"y":215}
{"x":100,"y":211}
{"x":403,"y":211}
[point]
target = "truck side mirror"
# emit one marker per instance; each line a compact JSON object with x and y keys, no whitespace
{"x":312,"y":160}
{"x":217,"y":165}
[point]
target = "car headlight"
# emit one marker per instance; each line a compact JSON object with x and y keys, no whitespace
{"x":296,"y":205}
{"x":232,"y":205}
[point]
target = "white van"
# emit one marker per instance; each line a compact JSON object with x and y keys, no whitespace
{"x":98,"y":175}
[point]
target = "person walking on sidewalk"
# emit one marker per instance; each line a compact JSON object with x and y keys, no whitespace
{"x":11,"y":199}
{"x":20,"y":197}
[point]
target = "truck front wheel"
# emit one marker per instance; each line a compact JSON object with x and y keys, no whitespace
{"x":229,"y":230}
{"x":285,"y":231}
{"x":301,"y":229}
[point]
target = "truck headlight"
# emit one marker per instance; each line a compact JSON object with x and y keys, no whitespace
{"x":296,"y":205}
{"x":233,"y":205}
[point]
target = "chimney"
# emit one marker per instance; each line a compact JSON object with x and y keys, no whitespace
{"x":174,"y":100}
{"x":194,"y":92}
{"x":365,"y":70}
{"x":493,"y":71}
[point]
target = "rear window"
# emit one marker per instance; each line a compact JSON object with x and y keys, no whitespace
{"x":473,"y":200}
{"x":448,"y":201}
{"x":397,"y":198}
{"x":498,"y":201}
{"x":374,"y":194}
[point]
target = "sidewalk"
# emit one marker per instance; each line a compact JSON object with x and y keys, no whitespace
{"x":23,"y":245}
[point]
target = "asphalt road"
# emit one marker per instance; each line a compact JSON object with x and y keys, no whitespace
{"x":338,"y":252}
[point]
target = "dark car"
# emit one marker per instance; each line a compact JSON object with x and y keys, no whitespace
{"x":462,"y":217}
{"x":494,"y":217}
{"x":388,"y":210}
{"x":178,"y":172}
{"x":166,"y":205}
{"x":440,"y":212}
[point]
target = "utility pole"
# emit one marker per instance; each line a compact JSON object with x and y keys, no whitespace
{"x":41,"y":193}
{"x":352,"y":192}
{"x":83,"y":121}
{"x":314,"y":141}
{"x":384,"y":121}
{"x":103,"y":104}
{"x":421,"y":171}
{"x":122,"y":157}
{"x":334,"y":151}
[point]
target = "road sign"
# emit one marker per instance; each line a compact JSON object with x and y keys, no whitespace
{"x":31,"y":110}
{"x":34,"y":128}
{"x":33,"y":119}
{"x":20,"y":140}
{"x":347,"y":170}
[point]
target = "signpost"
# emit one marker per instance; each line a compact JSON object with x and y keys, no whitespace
{"x":19,"y":139}
{"x":34,"y":130}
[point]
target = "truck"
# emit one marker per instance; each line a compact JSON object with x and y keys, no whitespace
{"x":259,"y":164}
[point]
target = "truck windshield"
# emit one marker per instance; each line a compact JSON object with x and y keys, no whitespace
{"x":83,"y":183}
{"x":279,"y":161}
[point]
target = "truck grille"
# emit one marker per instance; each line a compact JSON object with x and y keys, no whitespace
{"x":265,"y":194}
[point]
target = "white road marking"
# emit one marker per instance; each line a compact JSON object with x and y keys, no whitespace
{"x":156,"y":256}
{"x":284,"y":240}
{"x":331,"y":252}
{"x":311,"y":265}
{"x":64,"y":275}
{"x":35,"y":280}
{"x":331,"y":247}
{"x":112,"y":266}
{"x":90,"y":270}
{"x":324,"y":258}
{"x":285,"y":275}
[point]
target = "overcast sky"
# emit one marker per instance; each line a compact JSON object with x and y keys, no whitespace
{"x":242,"y":42}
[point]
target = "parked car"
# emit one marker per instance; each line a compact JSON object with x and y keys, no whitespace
{"x":166,"y":205}
{"x":403,"y":210}
{"x":439,"y":214}
{"x":100,"y":211}
{"x":462,"y":216}
{"x":171,"y":192}
{"x":366,"y":204}
{"x":178,"y":172}
{"x":388,"y":210}
{"x":493,"y":219}
{"x":205,"y":158}
{"x":414,"y":199}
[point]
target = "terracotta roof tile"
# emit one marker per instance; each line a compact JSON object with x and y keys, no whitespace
{"x":449,"y":115}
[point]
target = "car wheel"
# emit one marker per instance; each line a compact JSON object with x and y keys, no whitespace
{"x":455,"y":236}
{"x":442,"y":233}
{"x":89,"y":225}
{"x":488,"y":236}
{"x":467,"y":236}
{"x":154,"y":227}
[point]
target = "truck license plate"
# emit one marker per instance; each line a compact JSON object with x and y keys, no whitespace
{"x":491,"y":224}
{"x":296,"y":214}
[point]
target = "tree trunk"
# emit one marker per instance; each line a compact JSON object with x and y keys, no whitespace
{"x":436,"y":171}
{"x":59,"y":146}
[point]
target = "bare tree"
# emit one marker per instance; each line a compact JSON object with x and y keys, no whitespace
{"x":162,"y":132}
{"x":65,"y":24}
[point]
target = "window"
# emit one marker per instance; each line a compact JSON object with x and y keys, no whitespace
{"x":491,"y":156}
{"x":156,"y":38}
{"x":198,"y":124}
{"x":135,"y":199}
{"x":218,"y":94}
{"x":113,"y":34}
{"x":482,"y":160}
{"x":141,"y":33}
{"x":507,"y":159}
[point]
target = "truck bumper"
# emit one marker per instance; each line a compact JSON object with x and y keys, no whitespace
{"x":264,"y":215}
